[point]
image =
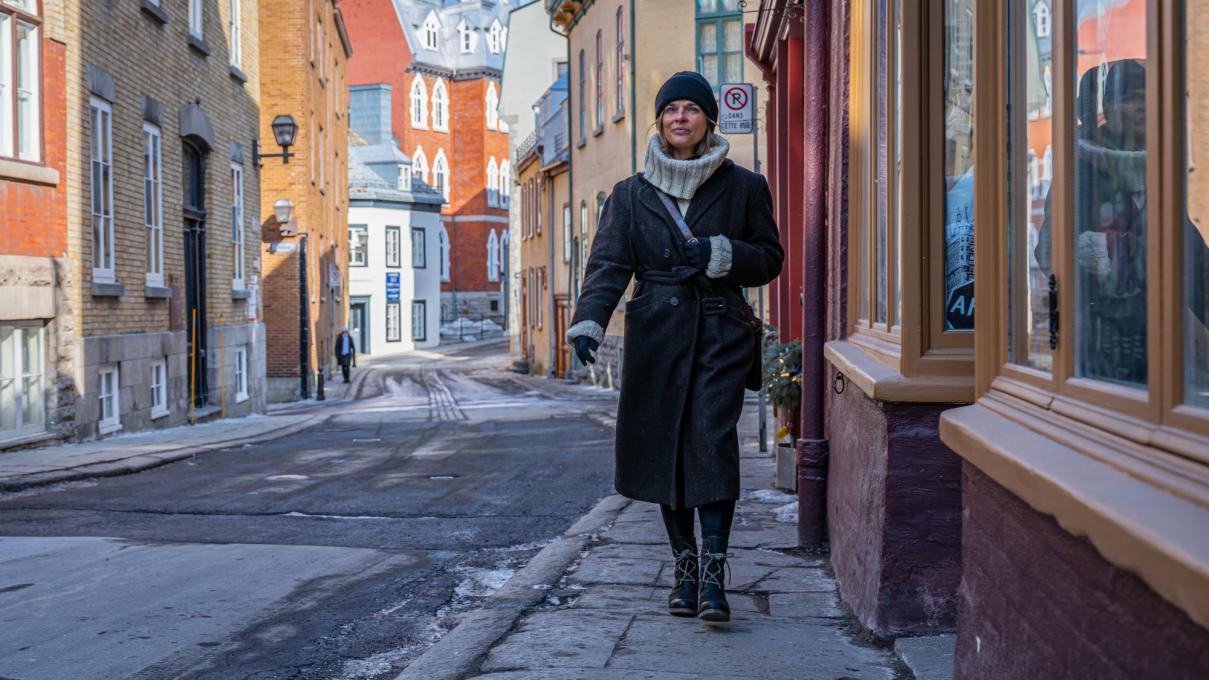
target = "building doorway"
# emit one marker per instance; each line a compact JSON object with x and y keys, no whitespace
{"x":195,"y":269}
{"x":358,"y":323}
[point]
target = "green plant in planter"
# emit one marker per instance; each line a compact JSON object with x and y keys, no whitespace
{"x":783,"y":376}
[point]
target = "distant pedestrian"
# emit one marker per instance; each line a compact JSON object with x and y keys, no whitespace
{"x":346,"y":352}
{"x":690,"y":337}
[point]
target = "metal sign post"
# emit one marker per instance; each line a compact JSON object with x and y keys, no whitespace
{"x":737,"y":116}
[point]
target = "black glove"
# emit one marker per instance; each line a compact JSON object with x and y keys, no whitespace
{"x":697,"y":253}
{"x":584,"y":346}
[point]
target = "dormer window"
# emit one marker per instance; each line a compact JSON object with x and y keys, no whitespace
{"x":465,"y":37}
{"x":1041,"y":17}
{"x":430,"y":30}
{"x":404,"y":178}
{"x":495,"y":37}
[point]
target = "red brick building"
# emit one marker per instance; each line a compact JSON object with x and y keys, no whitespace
{"x":36,"y":327}
{"x":445,"y":61}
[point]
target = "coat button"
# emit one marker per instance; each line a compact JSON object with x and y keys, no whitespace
{"x":674,"y":301}
{"x":667,"y":252}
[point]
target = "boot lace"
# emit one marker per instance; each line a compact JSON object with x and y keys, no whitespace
{"x":715,"y":570}
{"x":686,"y":567}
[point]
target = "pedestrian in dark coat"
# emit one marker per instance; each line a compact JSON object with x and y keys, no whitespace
{"x":689,"y":337}
{"x":346,"y":352}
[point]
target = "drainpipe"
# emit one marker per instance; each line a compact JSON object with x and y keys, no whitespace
{"x":812,"y":446}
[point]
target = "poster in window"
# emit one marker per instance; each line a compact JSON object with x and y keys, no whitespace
{"x":959,"y":253}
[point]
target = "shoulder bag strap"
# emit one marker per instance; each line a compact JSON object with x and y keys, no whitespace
{"x":674,"y":213}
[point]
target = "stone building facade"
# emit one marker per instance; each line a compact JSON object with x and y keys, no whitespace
{"x":307,"y":79}
{"x":162,"y":202}
{"x":443,"y":60}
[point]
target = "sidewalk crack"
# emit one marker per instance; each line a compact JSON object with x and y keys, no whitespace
{"x":617,"y":644}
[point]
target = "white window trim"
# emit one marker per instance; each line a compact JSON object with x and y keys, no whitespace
{"x":102,"y":274}
{"x":113,"y":423}
{"x":159,"y":410}
{"x":21,"y":372}
{"x":8,"y":126}
{"x":439,"y":163}
{"x":197,"y":19}
{"x":493,"y":257}
{"x":155,"y":274}
{"x":419,"y":95}
{"x":505,"y":183}
{"x":493,"y":183}
{"x":443,"y":245}
{"x":493,"y":103}
{"x":419,"y":164}
{"x":393,"y":252}
{"x":397,"y":335}
{"x":430,"y":32}
{"x":466,"y":37}
{"x":440,"y":106}
{"x":238,"y":259}
{"x":423,"y":305}
{"x":241,"y":374}
{"x":235,"y":27}
{"x":22,"y":143}
{"x":495,"y":37}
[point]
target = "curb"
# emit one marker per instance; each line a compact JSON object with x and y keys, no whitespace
{"x":134,"y":464}
{"x":463,"y":648}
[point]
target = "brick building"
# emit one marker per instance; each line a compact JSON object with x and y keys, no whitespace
{"x":306,"y":79}
{"x":37,"y":329}
{"x":161,"y":198}
{"x":444,"y":58}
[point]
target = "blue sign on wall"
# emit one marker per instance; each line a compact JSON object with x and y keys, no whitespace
{"x":392,"y":286}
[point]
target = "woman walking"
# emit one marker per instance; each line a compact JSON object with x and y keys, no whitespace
{"x":693,"y":229}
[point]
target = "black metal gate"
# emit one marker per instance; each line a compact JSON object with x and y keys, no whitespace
{"x":195,"y":270}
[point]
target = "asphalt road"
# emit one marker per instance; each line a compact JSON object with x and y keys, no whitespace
{"x":340,"y":552}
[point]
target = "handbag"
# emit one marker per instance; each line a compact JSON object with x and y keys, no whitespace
{"x":754,"y":379}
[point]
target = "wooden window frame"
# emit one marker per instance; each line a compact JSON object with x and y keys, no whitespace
{"x":364,"y":229}
{"x":397,"y":334}
{"x":916,"y":348}
{"x":16,"y":15}
{"x":154,"y":195}
{"x":1127,"y":468}
{"x":423,"y":335}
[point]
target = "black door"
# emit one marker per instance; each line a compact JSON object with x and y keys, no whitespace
{"x":358,"y":323}
{"x":195,"y":269}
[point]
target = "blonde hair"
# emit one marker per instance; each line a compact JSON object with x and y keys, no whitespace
{"x":703,"y":147}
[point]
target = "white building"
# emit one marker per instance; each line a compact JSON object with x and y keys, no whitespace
{"x":395,"y":257}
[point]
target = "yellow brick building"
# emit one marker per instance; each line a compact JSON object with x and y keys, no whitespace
{"x":163,"y":206}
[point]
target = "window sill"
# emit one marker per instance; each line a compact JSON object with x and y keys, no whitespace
{"x":156,"y":414}
{"x":237,"y":74}
{"x":619,"y":116}
{"x":199,"y":45}
{"x":1151,"y":525}
{"x":240,"y":293}
{"x":241,"y":398}
{"x":153,"y":11}
{"x":26,"y":438}
{"x":598,"y":131}
{"x":580,"y":144}
{"x":882,"y":383}
{"x":157,"y":292}
{"x":108,"y":289}
{"x":32,"y":173}
{"x":109,"y":428}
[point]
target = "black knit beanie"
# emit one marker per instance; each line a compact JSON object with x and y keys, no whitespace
{"x":692,"y":86}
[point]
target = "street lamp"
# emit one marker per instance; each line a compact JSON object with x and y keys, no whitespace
{"x":284,"y":131}
{"x":283,"y":209}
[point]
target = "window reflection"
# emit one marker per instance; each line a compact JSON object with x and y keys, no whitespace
{"x":1109,"y":228}
{"x":1196,"y":226}
{"x":959,"y":164}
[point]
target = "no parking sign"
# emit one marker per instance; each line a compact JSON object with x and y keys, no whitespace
{"x":737,"y":114}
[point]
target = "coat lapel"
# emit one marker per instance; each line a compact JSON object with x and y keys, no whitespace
{"x":707,"y":195}
{"x":650,"y":201}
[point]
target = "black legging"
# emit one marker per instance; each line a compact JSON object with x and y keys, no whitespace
{"x":716,"y":520}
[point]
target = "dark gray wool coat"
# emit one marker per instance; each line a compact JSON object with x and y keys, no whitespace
{"x":685,"y":359}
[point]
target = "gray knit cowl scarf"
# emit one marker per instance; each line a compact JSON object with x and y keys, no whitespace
{"x":681,"y":179}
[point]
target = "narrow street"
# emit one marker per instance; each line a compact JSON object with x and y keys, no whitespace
{"x":322,"y":554}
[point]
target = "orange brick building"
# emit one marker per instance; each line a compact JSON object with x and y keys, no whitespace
{"x":36,"y":326}
{"x":445,"y":61}
{"x":307,"y":80}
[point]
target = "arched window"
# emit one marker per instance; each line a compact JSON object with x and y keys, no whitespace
{"x":495,"y":37}
{"x":493,"y":257}
{"x":440,"y":174}
{"x":440,"y":106}
{"x":493,"y":183}
{"x":493,"y":106}
{"x":504,"y":256}
{"x":505,"y":183}
{"x":443,"y":247}
{"x":465,"y":37}
{"x":430,"y":31}
{"x":419,"y":165}
{"x":1041,"y":18}
{"x":419,"y":103}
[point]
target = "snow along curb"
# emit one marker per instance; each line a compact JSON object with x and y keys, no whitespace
{"x":460,"y":651}
{"x":125,"y":466}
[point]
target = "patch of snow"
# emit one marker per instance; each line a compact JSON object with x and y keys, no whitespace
{"x":769,"y":496}
{"x":787,"y":514}
{"x":481,"y":582}
{"x":358,"y":669}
